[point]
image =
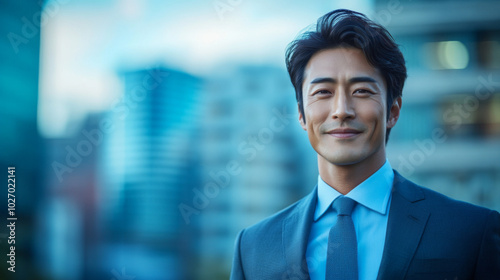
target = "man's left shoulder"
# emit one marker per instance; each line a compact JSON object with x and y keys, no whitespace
{"x":448,"y":204}
{"x":457,"y":236}
{"x":445,"y":206}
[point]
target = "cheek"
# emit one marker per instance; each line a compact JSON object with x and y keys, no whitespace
{"x":316,"y":114}
{"x":317,"y":111}
{"x":373,"y":114}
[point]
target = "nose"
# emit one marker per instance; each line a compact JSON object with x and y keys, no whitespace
{"x":342,"y":106}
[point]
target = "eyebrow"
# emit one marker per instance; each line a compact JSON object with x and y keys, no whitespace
{"x":353,"y":80}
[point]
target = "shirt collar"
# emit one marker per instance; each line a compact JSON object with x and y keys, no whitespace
{"x":373,"y":193}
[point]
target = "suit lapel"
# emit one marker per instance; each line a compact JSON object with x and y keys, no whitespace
{"x":296,"y":234}
{"x":406,"y":223}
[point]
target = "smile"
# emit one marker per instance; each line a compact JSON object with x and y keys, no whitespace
{"x":344,"y":133}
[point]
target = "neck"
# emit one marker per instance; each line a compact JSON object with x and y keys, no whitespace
{"x":345,"y":178}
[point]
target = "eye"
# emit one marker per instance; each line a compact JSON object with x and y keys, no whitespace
{"x":322,"y":92}
{"x":363,"y":91}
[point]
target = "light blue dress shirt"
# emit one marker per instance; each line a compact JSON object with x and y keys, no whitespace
{"x":370,"y":222}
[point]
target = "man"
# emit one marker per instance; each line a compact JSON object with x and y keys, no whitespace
{"x":363,"y":220}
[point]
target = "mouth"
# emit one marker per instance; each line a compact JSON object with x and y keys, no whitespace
{"x":344,"y":133}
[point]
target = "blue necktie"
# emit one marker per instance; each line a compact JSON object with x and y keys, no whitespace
{"x":342,"y":253}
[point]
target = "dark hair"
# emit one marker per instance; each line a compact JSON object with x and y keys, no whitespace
{"x":345,"y":28}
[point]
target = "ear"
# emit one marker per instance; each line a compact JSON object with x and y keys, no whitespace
{"x":394,"y":112}
{"x":301,"y":118}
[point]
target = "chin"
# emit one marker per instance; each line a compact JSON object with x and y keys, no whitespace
{"x":344,"y":160}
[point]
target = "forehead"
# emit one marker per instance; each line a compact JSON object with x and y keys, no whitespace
{"x":340,"y":63}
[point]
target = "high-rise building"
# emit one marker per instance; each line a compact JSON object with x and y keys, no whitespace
{"x":447,"y":137}
{"x":67,"y":234}
{"x":148,"y":161}
{"x":20,"y":141}
{"x":254,"y":159}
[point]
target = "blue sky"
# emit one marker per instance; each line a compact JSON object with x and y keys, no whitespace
{"x":85,"y":43}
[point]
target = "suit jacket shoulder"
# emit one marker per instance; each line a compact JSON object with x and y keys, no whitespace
{"x":270,"y":227}
{"x":442,"y":207}
{"x":430,"y":234}
{"x":275,"y":247}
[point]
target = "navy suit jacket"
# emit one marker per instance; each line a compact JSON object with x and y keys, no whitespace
{"x":429,"y":236}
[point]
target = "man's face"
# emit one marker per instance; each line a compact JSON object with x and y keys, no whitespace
{"x":345,"y":107}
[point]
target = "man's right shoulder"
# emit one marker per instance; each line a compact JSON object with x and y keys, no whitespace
{"x":260,"y":249}
{"x":272,"y":226}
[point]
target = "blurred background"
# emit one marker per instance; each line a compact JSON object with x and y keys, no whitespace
{"x":147,"y":134}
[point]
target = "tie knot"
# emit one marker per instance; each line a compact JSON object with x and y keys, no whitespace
{"x":344,"y":205}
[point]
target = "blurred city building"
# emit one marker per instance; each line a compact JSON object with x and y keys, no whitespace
{"x":20,"y":141}
{"x":255,"y":161}
{"x":110,"y":206}
{"x":67,"y":232}
{"x":149,"y":160}
{"x":448,"y":134}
